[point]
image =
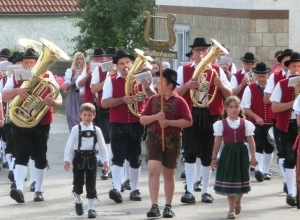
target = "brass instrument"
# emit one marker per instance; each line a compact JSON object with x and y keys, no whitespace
{"x":28,"y":43}
{"x":131,"y":87}
{"x":199,"y":74}
{"x":29,"y":112}
{"x":250,"y":76}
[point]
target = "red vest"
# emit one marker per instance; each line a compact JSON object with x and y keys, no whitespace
{"x":48,"y":117}
{"x":231,"y":135}
{"x":288,"y":94}
{"x":257,"y":104}
{"x":88,"y":95}
{"x":217,"y":106}
{"x":102,"y":76}
{"x":239,"y":77}
{"x":121,"y":113}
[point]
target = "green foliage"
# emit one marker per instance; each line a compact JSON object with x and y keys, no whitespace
{"x":111,"y":23}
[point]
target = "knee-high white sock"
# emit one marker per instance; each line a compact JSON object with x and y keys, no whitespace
{"x":78,"y":198}
{"x":134,"y":178}
{"x":117,"y":174}
{"x":290,"y":181}
{"x":259,"y":158}
{"x":32,"y":170}
{"x":190,"y":172}
{"x":109,"y":152}
{"x":205,"y":172}
{"x":281,"y":168}
{"x":91,"y":204}
{"x":20,"y":174}
{"x":198,"y":170}
{"x":126,"y":171}
{"x":3,"y":146}
{"x":9,"y":160}
{"x":39,"y":176}
{"x":267,"y":160}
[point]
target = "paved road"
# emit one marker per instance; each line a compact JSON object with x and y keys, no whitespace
{"x":265,"y":201}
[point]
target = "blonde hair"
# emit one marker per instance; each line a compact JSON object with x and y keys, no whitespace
{"x":73,"y":65}
{"x":228,"y":101}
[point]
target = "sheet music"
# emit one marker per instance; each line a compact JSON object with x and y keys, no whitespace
{"x":4,"y":65}
{"x":23,"y":74}
{"x":94,"y":65}
{"x":293,"y":81}
{"x":143,"y":76}
{"x":108,"y":66}
{"x":225,"y":60}
{"x":11,"y":69}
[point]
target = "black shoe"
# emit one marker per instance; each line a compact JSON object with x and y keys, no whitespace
{"x":127,"y":185}
{"x":104,"y":175}
{"x":285,"y":189}
{"x":259,"y":176}
{"x":182,"y":176}
{"x":135,"y":195}
{"x":38,"y":197}
{"x":291,"y":200}
{"x":154,"y":212}
{"x":100,"y":164}
{"x":32,"y":186}
{"x":197,"y":186}
{"x":207,"y":198}
{"x":11,"y":176}
{"x":115,"y":195}
{"x":92,"y":213}
{"x":79,"y":208}
{"x":5,"y":165}
{"x":188,"y":198}
{"x":168,"y":213}
{"x":267,"y":176}
{"x":17,"y":195}
{"x":122,"y":187}
{"x":13,"y":185}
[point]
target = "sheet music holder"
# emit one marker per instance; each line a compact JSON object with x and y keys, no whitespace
{"x":139,"y":77}
{"x":11,"y":69}
{"x":225,"y":60}
{"x":293,"y":81}
{"x":108,"y":66}
{"x":94,"y":65}
{"x":4,"y":65}
{"x":23,"y":74}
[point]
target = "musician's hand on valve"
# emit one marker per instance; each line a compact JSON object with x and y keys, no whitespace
{"x":146,"y":84}
{"x":192,"y":84}
{"x":49,"y":101}
{"x":127,"y":99}
{"x":245,"y":81}
{"x":22,"y":93}
{"x":218,"y":83}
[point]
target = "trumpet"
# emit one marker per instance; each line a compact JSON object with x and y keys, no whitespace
{"x":250,"y":76}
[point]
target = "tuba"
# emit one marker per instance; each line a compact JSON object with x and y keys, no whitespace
{"x":29,"y":112}
{"x":199,"y":74}
{"x":131,"y":87}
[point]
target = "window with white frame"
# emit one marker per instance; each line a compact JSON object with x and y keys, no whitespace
{"x":182,"y":44}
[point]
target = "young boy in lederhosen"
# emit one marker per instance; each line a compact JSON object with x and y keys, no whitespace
{"x":81,"y":148}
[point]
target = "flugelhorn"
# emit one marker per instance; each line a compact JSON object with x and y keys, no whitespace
{"x":131,"y":87}
{"x":250,"y":76}
{"x":204,"y":81}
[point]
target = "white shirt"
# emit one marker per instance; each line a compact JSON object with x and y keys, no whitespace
{"x":276,"y":97}
{"x":81,"y":89}
{"x":246,"y":99}
{"x":296,"y":105}
{"x":68,"y":76}
{"x":108,"y":88}
{"x":233,"y":81}
{"x":86,"y":143}
{"x":95,"y":76}
{"x":9,"y":85}
{"x":271,"y":82}
{"x":219,"y":129}
{"x":233,"y":68}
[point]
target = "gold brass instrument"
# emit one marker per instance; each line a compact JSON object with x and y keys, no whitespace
{"x":28,"y":43}
{"x":131,"y":87}
{"x":29,"y":112}
{"x":199,"y":74}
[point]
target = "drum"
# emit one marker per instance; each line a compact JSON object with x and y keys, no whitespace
{"x":270,"y":137}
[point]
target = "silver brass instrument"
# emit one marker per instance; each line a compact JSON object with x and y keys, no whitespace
{"x":29,"y":112}
{"x":131,"y":87}
{"x":250,"y":76}
{"x":199,"y":74}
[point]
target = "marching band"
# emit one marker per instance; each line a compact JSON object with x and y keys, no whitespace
{"x":202,"y":115}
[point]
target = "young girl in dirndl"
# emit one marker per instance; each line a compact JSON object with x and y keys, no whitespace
{"x":233,"y":177}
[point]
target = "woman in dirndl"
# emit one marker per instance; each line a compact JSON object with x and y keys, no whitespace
{"x":233,"y":177}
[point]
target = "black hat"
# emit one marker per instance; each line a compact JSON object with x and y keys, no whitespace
{"x":189,"y":54}
{"x":261,"y":68}
{"x":295,"y":57}
{"x":98,"y":52}
{"x":31,"y":54}
{"x":225,"y":47}
{"x":171,"y":75}
{"x":120,"y":54}
{"x":248,"y":58}
{"x":285,"y":53}
{"x":200,"y":42}
{"x":110,"y":52}
{"x":16,"y":57}
{"x":5,"y":53}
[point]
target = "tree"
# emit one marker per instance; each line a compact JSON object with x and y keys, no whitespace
{"x":111,"y":23}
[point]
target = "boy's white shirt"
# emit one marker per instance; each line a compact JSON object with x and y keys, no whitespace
{"x":86,"y":143}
